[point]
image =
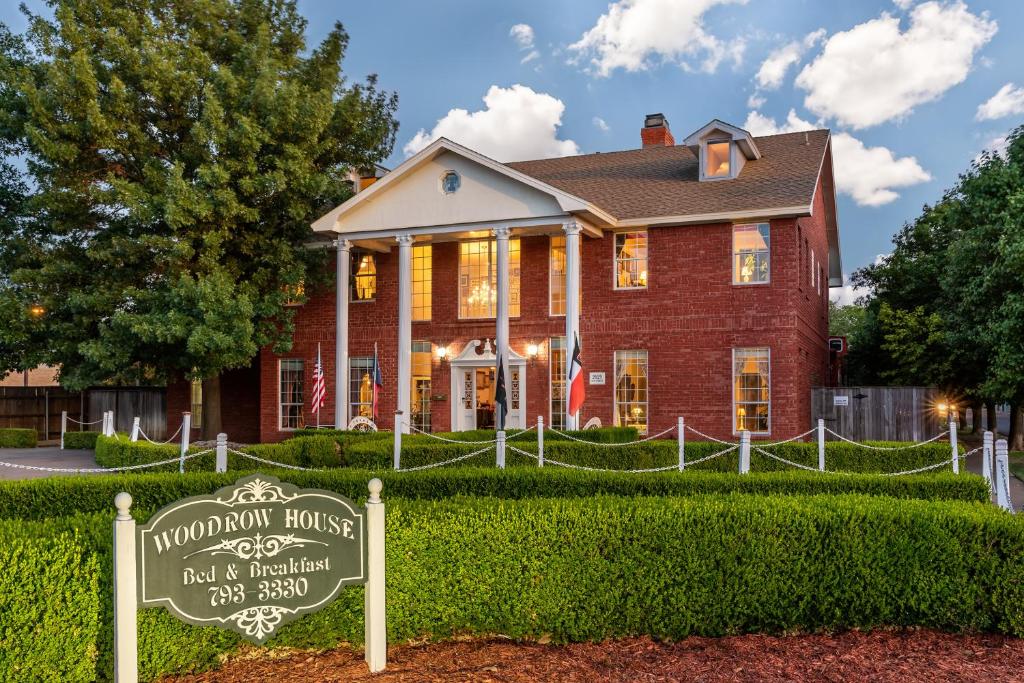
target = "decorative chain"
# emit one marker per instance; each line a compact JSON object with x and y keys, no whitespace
{"x":449,"y":462}
{"x":103,"y":470}
{"x":885,"y":448}
{"x":612,"y":445}
{"x":268,"y":462}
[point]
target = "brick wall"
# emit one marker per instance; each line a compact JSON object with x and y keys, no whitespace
{"x":240,"y":404}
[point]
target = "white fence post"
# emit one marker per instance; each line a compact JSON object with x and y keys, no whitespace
{"x":113,"y":424}
{"x":222,"y":452}
{"x":376,"y":633}
{"x":105,"y":423}
{"x":540,"y":441}
{"x":952,"y":444}
{"x":135,"y":428}
{"x":126,"y":652}
{"x":501,"y":448}
{"x":1003,"y":476}
{"x":986,"y":459}
{"x":63,"y":426}
{"x":186,"y":427}
{"x":821,"y":445}
{"x":744,"y":452}
{"x":397,"y":456}
{"x":681,"y":441}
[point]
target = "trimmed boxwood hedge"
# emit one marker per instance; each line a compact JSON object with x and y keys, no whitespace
{"x":592,"y":568}
{"x":60,"y":496}
{"x":18,"y":438}
{"x":307,"y":451}
{"x":80,"y":440}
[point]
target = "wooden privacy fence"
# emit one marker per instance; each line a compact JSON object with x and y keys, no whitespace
{"x":38,"y":408}
{"x":147,"y":403}
{"x":879,"y":413}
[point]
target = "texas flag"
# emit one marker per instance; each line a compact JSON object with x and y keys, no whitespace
{"x":577,"y":392}
{"x":378,"y":381}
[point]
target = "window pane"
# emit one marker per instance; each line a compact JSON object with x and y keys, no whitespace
{"x":421,"y":388}
{"x":556,"y":368}
{"x":557,"y":276}
{"x":364,"y":276}
{"x":478,"y":278}
{"x":718,"y":159}
{"x":751,"y":389}
{"x":630,"y":260}
{"x":421,"y":282}
{"x":360,"y":387}
{"x":631,"y":389}
{"x":750,"y":253}
{"x":290,"y":403}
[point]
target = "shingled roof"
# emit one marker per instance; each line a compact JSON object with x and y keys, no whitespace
{"x":659,"y":182}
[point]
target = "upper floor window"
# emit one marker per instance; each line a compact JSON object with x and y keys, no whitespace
{"x":450,"y":182}
{"x":478,"y":278}
{"x":295,"y":294}
{"x":717,"y":162}
{"x":556,"y":276}
{"x":422,"y":286}
{"x":630,"y":260}
{"x":750,"y":254}
{"x":364,"y":276}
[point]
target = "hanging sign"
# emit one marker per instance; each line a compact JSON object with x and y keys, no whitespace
{"x":252,"y":556}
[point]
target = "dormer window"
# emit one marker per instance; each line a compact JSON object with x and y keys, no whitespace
{"x":717,"y":164}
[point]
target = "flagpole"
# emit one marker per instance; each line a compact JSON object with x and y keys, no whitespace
{"x":319,"y":370}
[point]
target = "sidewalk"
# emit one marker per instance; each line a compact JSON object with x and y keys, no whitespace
{"x":46,"y":456}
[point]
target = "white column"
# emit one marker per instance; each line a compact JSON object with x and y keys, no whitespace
{"x":221,"y":464}
{"x":821,"y":445}
{"x":572,"y":303}
{"x":186,"y":431}
{"x":63,"y":426}
{"x":540,"y":441}
{"x":375,"y":626}
{"x":404,"y":328}
{"x":744,"y":452}
{"x":681,"y":441}
{"x":135,"y":428}
{"x":342,"y":267}
{"x":955,"y":455}
{"x":501,"y":314}
{"x":126,"y":651}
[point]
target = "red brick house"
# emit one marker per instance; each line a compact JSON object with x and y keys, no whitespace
{"x":699,"y":274}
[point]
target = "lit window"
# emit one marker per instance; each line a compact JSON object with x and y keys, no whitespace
{"x":196,"y":404}
{"x":421,"y":283}
{"x":421,"y":364}
{"x":360,"y":387}
{"x":294,"y":295}
{"x":364,"y":276}
{"x":291,"y":373}
{"x":478,"y":279}
{"x":751,"y":394}
{"x":631,"y":390}
{"x":717,"y":160}
{"x":556,"y":276}
{"x":630,"y":260}
{"x":750,"y":254}
{"x":556,"y":371}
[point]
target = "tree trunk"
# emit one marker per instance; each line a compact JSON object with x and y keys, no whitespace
{"x":975,"y":418}
{"x":1016,"y":428}
{"x":990,"y":417}
{"x":961,"y":415}
{"x":212,"y":425}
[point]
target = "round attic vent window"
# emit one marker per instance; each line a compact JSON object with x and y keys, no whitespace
{"x":450,"y":182}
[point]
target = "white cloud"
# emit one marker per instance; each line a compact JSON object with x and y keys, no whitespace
{"x":774,"y":67}
{"x":755,"y":101}
{"x":601,"y":124}
{"x":847,"y":294}
{"x":523,"y":35}
{"x":996,"y":145}
{"x":633,"y":33}
{"x":516,"y":123}
{"x":1008,"y":101}
{"x":531,"y":55}
{"x":870,"y":174}
{"x":759,"y":124}
{"x":875,"y":73}
{"x":903,"y":4}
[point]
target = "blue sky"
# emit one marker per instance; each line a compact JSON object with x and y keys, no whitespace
{"x":912,"y":91}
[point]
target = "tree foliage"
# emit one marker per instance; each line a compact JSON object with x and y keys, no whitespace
{"x":177,"y":152}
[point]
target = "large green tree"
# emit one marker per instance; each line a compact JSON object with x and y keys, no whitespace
{"x":178,"y":151}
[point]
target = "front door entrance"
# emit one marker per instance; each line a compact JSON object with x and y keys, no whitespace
{"x":473,"y":386}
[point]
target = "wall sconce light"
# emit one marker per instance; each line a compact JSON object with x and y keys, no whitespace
{"x":37,"y":311}
{"x":532,"y":350}
{"x":442,"y":353}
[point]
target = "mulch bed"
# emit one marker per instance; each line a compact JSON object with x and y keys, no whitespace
{"x":918,"y":655}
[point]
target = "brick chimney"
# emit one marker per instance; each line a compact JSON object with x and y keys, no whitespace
{"x":655,"y":132}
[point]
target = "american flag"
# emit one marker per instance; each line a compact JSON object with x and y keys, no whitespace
{"x":319,"y":385}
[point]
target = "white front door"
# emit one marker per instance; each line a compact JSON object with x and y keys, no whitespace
{"x":467,"y":400}
{"x":473,"y":389}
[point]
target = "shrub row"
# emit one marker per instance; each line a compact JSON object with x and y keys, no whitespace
{"x":593,"y":568}
{"x":61,"y":496}
{"x":307,"y":451}
{"x":602,"y":435}
{"x":18,"y":438}
{"x":80,"y":440}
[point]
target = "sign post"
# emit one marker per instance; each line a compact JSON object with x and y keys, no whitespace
{"x":250,"y":557}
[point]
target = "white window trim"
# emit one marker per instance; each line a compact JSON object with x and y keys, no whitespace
{"x":458,"y":271}
{"x":279,"y":404}
{"x":732,"y":254}
{"x":704,"y":160}
{"x":430,"y":279}
{"x":551,"y":250}
{"x":614,"y":384}
{"x":551,"y":385}
{"x":352,"y":278}
{"x":732,"y":390}
{"x":615,"y":260}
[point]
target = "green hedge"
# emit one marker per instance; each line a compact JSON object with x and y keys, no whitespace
{"x":599,"y":567}
{"x":18,"y":438}
{"x":60,"y":496}
{"x":307,"y":451}
{"x":80,"y":440}
{"x":49,"y":606}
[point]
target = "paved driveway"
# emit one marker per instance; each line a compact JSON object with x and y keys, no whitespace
{"x":46,"y":456}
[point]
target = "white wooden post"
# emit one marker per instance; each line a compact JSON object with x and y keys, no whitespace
{"x":501,"y":448}
{"x":398,"y":440}
{"x":222,"y":452}
{"x":104,"y":423}
{"x":744,"y":452}
{"x":540,"y":441}
{"x":186,"y":427}
{"x":1003,"y":476}
{"x":986,"y":459}
{"x":126,"y":652}
{"x":135,"y":428}
{"x":376,"y":633}
{"x":821,"y":445}
{"x":404,"y":389}
{"x":681,"y":441}
{"x":342,"y":265}
{"x":952,"y":444}
{"x":63,"y":426}
{"x":572,"y":305}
